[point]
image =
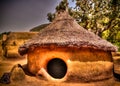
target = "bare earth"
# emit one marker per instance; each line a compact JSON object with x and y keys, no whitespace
{"x":6,"y":66}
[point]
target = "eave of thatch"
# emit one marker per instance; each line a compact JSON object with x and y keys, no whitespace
{"x":65,"y":31}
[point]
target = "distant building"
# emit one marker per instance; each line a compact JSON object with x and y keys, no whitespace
{"x":10,"y":43}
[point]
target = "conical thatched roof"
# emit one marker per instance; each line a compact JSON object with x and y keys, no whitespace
{"x":65,"y":31}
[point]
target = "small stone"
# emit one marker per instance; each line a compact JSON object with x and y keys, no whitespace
{"x":17,"y":73}
{"x":5,"y":79}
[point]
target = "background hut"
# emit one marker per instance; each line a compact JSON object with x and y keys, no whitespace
{"x":65,"y":49}
{"x":11,"y":41}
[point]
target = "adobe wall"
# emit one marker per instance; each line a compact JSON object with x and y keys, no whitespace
{"x":39,"y":57}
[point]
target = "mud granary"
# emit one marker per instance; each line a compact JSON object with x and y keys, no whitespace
{"x":63,"y":46}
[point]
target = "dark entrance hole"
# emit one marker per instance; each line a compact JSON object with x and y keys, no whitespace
{"x":57,"y":68}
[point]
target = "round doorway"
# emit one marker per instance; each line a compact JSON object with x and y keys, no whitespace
{"x":57,"y":68}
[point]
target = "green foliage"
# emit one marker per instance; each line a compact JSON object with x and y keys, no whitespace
{"x":50,"y":16}
{"x":7,"y":33}
{"x":115,"y":2}
{"x":38,"y":28}
{"x":62,"y":5}
{"x":118,"y":36}
{"x":99,"y":16}
{"x":118,"y":45}
{"x":0,"y":36}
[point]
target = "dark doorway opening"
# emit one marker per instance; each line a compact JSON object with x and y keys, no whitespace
{"x":57,"y":68}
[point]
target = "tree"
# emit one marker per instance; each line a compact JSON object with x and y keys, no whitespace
{"x":114,"y":20}
{"x":97,"y":16}
{"x":50,"y":17}
{"x":4,"y":43}
{"x":63,"y":5}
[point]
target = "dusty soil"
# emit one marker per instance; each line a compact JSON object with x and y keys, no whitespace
{"x":6,"y":66}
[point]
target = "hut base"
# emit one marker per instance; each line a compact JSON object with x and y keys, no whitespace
{"x":83,"y":72}
{"x":89,"y":71}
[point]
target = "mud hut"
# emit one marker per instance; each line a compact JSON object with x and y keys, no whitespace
{"x":12,"y":40}
{"x":64,"y":49}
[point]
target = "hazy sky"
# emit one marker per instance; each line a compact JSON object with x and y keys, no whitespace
{"x":22,"y":15}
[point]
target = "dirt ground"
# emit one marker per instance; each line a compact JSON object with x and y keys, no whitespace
{"x":6,"y":66}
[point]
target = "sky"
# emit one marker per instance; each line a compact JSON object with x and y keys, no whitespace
{"x":23,"y":15}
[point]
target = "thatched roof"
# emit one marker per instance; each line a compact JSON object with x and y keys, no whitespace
{"x":65,"y":31}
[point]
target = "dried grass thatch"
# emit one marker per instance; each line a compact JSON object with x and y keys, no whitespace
{"x":65,"y":31}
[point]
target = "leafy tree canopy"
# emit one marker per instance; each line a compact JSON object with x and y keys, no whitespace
{"x":99,"y":16}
